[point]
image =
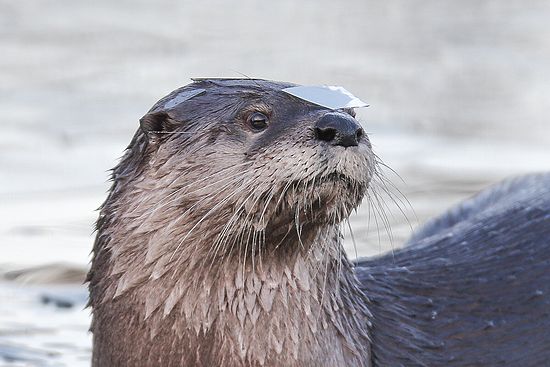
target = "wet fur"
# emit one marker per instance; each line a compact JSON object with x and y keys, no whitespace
{"x":221,"y":246}
{"x":218,"y":245}
{"x":473,"y":286}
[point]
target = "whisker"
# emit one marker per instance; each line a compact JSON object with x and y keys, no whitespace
{"x":179,"y":190}
{"x":213,"y":209}
{"x":175,"y":132}
{"x":352,"y":238}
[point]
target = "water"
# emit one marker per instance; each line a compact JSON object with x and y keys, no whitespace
{"x":44,"y":326}
{"x":458,"y":93}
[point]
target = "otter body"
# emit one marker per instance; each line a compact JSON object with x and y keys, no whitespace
{"x":219,"y":244}
{"x":472,"y":288}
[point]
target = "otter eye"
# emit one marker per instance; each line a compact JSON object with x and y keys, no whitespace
{"x":258,"y":120}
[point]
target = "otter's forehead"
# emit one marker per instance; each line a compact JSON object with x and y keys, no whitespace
{"x":330,"y":97}
{"x":218,"y":87}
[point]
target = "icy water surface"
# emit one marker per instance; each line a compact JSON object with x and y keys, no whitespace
{"x":43,"y":326}
{"x":458,"y":93}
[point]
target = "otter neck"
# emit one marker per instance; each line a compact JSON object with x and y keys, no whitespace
{"x":297,"y":305}
{"x":285,"y":306}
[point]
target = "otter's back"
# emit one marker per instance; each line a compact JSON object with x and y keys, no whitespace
{"x":473,"y":286}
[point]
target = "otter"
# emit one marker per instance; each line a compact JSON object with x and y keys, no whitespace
{"x":219,"y":244}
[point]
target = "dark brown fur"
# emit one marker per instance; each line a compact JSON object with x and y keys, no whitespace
{"x":220,"y":245}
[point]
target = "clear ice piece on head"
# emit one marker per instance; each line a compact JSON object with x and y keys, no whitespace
{"x":328,"y":96}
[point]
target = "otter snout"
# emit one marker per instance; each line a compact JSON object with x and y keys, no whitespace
{"x":338,"y":128}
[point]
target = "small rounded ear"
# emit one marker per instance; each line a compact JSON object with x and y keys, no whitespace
{"x":156,"y":126}
{"x":154,"y":123}
{"x":157,"y":121}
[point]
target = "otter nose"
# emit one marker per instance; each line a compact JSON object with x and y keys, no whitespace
{"x":338,"y":129}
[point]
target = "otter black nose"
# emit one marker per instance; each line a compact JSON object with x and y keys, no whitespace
{"x":338,"y":129}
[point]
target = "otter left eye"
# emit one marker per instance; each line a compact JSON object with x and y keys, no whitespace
{"x":258,"y":120}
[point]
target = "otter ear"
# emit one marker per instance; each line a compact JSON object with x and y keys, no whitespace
{"x":155,"y":123}
{"x":158,"y":121}
{"x":157,"y":126}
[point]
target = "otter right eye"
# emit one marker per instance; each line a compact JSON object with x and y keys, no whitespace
{"x":258,"y":121}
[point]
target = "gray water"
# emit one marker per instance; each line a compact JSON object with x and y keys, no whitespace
{"x":458,"y":93}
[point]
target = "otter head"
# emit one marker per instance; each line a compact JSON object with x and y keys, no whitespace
{"x":251,"y":161}
{"x":241,"y":165}
{"x":222,"y":172}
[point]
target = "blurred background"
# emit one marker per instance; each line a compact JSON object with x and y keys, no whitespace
{"x":458,"y":93}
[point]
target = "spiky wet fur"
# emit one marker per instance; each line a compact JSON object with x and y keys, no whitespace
{"x":214,"y":251}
